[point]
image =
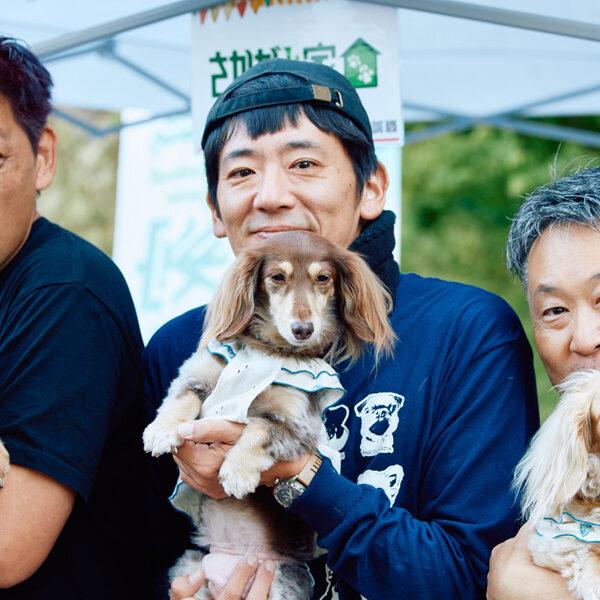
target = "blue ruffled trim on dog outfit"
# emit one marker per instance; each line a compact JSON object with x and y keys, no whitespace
{"x":570,"y":526}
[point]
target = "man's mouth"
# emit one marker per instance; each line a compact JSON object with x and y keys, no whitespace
{"x":275,"y":229}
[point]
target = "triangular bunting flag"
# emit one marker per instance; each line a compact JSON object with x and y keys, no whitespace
{"x":228,"y":8}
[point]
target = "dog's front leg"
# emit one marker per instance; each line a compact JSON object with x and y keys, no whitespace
{"x":283,"y":424}
{"x":197,"y":378}
{"x":247,"y":459}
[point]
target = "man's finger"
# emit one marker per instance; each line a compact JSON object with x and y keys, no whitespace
{"x":262,"y":584}
{"x":209,"y":431}
{"x":186,"y":586}
{"x":235,"y":586}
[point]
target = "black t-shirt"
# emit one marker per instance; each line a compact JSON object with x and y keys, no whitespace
{"x":70,"y":374}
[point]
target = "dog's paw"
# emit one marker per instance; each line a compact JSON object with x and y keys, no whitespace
{"x":161,"y":436}
{"x":4,"y":464}
{"x":237,"y":479}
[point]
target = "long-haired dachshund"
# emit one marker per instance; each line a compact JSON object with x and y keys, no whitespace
{"x":559,"y":481}
{"x":296,"y":297}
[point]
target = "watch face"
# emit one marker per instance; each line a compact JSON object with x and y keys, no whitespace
{"x":286,"y":493}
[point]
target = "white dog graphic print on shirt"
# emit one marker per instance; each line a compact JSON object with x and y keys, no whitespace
{"x":379,"y":420}
{"x":379,"y":415}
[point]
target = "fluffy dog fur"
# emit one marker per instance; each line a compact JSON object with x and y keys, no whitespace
{"x":4,"y":464}
{"x":297,"y":295}
{"x":560,"y":473}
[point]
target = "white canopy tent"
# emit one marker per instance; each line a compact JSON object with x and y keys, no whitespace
{"x":494,"y":61}
{"x":500,"y":62}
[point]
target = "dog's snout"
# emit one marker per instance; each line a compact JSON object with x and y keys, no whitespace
{"x":302,"y":330}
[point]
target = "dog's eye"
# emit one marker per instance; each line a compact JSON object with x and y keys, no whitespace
{"x":322,"y":278}
{"x":278,"y":277}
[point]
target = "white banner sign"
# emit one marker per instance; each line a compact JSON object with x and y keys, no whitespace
{"x":358,"y":39}
{"x":163,"y":229}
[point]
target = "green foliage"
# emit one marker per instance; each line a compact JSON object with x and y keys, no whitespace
{"x":459,"y":194}
{"x":82,"y":196}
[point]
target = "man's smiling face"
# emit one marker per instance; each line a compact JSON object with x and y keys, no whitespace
{"x":299,"y":178}
{"x":563,"y":290}
{"x":22,"y":174}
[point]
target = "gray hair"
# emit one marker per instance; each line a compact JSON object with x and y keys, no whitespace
{"x":573,"y":199}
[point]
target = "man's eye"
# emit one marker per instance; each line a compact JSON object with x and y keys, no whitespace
{"x":278,"y":277}
{"x":304,"y":164}
{"x":554,"y":311}
{"x":240,"y":173}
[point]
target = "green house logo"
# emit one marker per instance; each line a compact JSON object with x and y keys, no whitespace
{"x":360,"y":64}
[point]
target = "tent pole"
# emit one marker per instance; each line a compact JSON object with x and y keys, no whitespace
{"x":68,"y":41}
{"x":450,"y":8}
{"x":500,"y":16}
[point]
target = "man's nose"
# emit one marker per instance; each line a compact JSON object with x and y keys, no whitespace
{"x":273,"y":193}
{"x":585,"y":338}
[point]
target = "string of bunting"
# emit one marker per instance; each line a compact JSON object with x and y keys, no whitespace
{"x":241,"y":5}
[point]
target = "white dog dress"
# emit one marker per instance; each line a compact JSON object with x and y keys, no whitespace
{"x":248,"y":372}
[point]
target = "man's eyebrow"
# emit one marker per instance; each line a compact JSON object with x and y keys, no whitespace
{"x":294,"y":145}
{"x":238,"y":153}
{"x":545,"y":289}
{"x":301,"y":144}
{"x":551,"y":289}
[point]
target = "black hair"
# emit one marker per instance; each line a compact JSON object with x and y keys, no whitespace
{"x":268,"y":120}
{"x":26,"y":84}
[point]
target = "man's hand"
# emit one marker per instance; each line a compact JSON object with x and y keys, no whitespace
{"x":514,"y":576}
{"x":184,"y":588}
{"x":201,"y":455}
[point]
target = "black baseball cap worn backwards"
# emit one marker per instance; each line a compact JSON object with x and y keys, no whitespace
{"x":320,"y":84}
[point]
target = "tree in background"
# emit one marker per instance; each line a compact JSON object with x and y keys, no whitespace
{"x":82,"y":195}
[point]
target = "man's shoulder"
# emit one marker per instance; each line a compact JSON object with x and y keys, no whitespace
{"x":56,"y":268}
{"x":53,"y":255}
{"x":461,"y":308}
{"x":177,"y":337}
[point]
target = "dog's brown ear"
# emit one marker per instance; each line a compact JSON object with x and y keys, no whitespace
{"x":364,"y":305}
{"x":232,"y":307}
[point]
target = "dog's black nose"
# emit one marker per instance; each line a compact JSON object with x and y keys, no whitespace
{"x":302,"y":330}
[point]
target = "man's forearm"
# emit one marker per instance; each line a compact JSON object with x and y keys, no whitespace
{"x":34,"y":510}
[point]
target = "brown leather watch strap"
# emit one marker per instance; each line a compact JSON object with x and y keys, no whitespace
{"x":310,"y":468}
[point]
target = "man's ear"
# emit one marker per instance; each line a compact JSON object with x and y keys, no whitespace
{"x":45,"y":158}
{"x":373,"y":194}
{"x":218,"y":226}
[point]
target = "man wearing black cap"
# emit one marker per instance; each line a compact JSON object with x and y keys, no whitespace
{"x":430,"y":439}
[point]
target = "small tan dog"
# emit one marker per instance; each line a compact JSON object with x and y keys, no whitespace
{"x":559,"y":478}
{"x":297,"y":298}
{"x":4,"y":464}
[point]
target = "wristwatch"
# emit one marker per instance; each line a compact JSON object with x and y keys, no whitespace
{"x":287,"y":490}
